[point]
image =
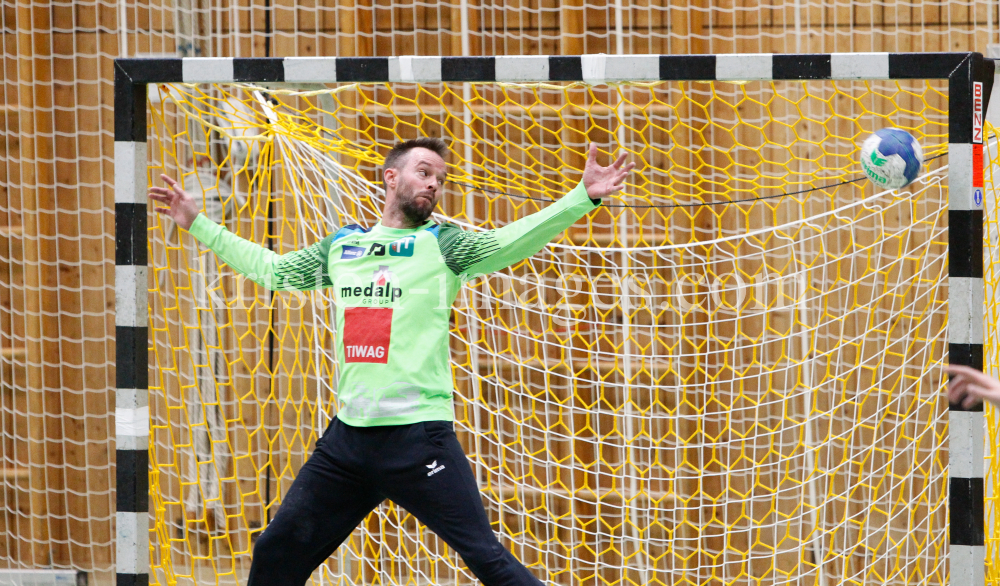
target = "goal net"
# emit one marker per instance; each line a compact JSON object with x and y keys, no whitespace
{"x":730,"y":373}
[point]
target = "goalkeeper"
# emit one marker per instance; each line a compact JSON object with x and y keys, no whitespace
{"x":393,"y":435}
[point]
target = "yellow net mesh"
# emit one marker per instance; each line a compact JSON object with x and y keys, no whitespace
{"x":678,"y":390}
{"x":991,"y":278}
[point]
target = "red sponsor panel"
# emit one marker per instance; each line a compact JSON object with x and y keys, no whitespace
{"x":367,"y":331}
{"x":977,"y":165}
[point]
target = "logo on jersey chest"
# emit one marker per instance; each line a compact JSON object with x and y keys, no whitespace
{"x":367,"y":334}
{"x":381,"y":290}
{"x":349,"y":252}
{"x":403,"y":247}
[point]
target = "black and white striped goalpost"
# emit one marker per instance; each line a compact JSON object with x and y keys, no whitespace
{"x":970,"y":79}
{"x":131,"y":336}
{"x":969,"y":88}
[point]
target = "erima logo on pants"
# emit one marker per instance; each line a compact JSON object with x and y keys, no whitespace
{"x":434,"y":468}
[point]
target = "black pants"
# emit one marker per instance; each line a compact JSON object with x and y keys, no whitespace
{"x":420,"y":467}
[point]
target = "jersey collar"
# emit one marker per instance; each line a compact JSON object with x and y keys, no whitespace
{"x":379,"y":229}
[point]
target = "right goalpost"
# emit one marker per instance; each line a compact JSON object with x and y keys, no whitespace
{"x":729,"y":374}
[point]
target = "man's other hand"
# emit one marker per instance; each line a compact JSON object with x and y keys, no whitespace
{"x":603,"y":181}
{"x":175,"y":203}
{"x":968,"y":387}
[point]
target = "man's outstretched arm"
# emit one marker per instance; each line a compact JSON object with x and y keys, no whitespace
{"x":301,"y":270}
{"x":478,"y":253}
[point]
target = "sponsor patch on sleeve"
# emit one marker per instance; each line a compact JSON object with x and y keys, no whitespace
{"x":367,"y":331}
{"x":348,"y":252}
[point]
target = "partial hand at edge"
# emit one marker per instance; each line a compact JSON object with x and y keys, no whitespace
{"x":603,"y":181}
{"x":969,"y":387}
{"x":180,"y":206}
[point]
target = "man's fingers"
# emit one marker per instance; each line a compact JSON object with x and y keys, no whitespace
{"x":963,"y":376}
{"x":592,"y":153}
{"x":971,"y":375}
{"x":958,"y":394}
{"x":619,"y":161}
{"x":957,"y":369}
{"x":174,"y":186}
{"x":624,"y":172}
{"x":958,"y":387}
{"x":964,"y":392}
{"x":972,"y":395}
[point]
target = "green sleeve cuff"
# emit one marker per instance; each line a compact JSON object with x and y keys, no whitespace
{"x":579,"y":193}
{"x":203,"y":229}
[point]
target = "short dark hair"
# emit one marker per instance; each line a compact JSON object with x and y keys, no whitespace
{"x":397,"y":154}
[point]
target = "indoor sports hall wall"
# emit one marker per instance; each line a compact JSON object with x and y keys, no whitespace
{"x":56,"y":177}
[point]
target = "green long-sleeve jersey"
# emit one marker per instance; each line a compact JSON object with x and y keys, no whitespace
{"x":394,"y":289}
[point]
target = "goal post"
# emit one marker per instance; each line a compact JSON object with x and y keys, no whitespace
{"x":622,"y":396}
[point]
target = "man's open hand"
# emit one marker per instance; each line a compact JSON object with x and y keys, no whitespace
{"x":176,"y":203}
{"x":603,"y":181}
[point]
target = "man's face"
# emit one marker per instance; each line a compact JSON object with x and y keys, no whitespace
{"x":419,"y":183}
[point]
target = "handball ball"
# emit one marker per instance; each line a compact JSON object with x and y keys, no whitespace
{"x":891,"y":158}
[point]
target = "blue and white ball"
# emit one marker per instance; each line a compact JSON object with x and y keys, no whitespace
{"x":891,"y":158}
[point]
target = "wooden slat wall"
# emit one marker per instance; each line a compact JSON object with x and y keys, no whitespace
{"x":56,"y":249}
{"x":57,"y":279}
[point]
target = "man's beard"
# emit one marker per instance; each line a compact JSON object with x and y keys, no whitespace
{"x":414,"y":213}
